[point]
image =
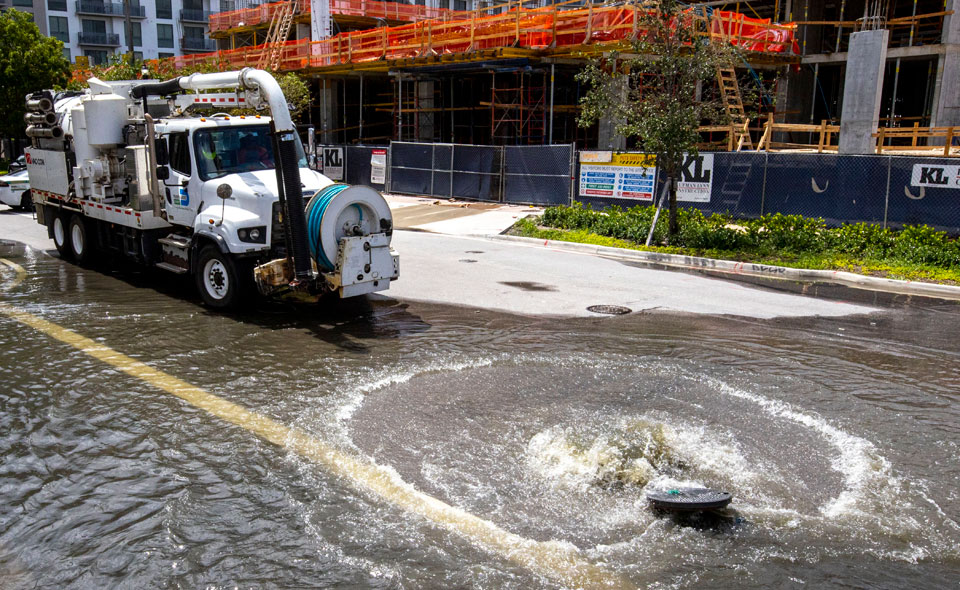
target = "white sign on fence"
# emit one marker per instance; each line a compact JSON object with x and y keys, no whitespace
{"x":696,"y":179}
{"x":331,"y":162}
{"x":378,"y":166}
{"x":936,"y":176}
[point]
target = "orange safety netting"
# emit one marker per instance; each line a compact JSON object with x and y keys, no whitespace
{"x":525,"y":28}
{"x":263,"y":14}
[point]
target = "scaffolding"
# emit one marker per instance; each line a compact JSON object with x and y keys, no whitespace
{"x":518,"y":107}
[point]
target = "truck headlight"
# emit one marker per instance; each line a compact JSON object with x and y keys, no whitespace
{"x":254,"y":235}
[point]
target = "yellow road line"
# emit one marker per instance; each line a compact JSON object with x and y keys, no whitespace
{"x":21,"y":274}
{"x":558,"y":561}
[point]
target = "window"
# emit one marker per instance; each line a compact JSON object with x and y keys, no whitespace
{"x":229,"y":150}
{"x":164,"y":35}
{"x":94,"y":26}
{"x":59,"y":28}
{"x":138,"y":56}
{"x":137,"y":34}
{"x":66,"y":53}
{"x":192,"y":5}
{"x":26,"y":3}
{"x":60,"y":5}
{"x":180,"y":153}
{"x":227,"y":5}
{"x":97,"y":57}
{"x":164,"y":55}
{"x":164,"y":9}
{"x":193,"y":32}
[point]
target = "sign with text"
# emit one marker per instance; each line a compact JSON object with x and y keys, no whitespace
{"x":621,"y":176}
{"x":633,"y":176}
{"x":935,"y":175}
{"x":378,"y":166}
{"x":696,"y":179}
{"x":331,"y":162}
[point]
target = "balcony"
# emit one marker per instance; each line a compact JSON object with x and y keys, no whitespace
{"x":194,"y":44}
{"x":102,"y":39}
{"x":95,"y":8}
{"x":195,"y":16}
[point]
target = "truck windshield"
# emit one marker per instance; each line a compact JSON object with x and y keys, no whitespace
{"x":228,"y":150}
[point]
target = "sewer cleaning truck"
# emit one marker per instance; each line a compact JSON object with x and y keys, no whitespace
{"x":160,"y":173}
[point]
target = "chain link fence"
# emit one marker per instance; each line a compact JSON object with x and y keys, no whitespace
{"x":892,"y":191}
{"x":539,"y":175}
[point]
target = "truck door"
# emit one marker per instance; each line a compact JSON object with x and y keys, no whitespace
{"x":179,"y":195}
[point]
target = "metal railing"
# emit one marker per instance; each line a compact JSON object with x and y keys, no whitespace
{"x":194,"y":15}
{"x":109,"y":9}
{"x":193,"y":44}
{"x":107,"y":39}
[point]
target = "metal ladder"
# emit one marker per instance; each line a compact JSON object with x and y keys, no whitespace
{"x":733,"y":104}
{"x":276,"y":35}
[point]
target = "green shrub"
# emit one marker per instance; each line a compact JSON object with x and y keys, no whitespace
{"x":862,"y":239}
{"x":925,"y":245}
{"x":792,"y":233}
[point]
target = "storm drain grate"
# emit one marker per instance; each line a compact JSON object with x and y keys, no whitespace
{"x":609,"y":309}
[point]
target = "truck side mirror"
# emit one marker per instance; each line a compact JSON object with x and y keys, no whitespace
{"x":163,"y":151}
{"x":163,"y":173}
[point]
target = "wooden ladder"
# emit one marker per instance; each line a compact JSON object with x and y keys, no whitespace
{"x":276,"y":35}
{"x":733,"y":104}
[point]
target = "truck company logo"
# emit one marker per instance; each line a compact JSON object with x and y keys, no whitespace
{"x":183,"y":198}
{"x":925,"y":175}
{"x":31,"y":161}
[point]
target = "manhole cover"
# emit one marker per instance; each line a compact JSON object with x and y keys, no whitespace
{"x":609,"y":309}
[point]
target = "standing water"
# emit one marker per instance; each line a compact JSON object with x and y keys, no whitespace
{"x":837,"y":438}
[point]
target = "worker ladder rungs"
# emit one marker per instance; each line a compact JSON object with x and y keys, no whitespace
{"x":276,"y":35}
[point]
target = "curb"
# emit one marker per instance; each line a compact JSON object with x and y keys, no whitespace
{"x":745,"y":268}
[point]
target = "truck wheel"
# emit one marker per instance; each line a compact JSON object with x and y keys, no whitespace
{"x":61,"y":235}
{"x":80,"y":246}
{"x":217,"y":279}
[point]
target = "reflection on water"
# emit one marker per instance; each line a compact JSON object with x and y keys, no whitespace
{"x":837,"y":438}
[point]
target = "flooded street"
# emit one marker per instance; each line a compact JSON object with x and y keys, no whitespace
{"x":838,"y":438}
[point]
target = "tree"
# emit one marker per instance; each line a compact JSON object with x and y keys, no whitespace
{"x":652,"y":91}
{"x":28,"y":62}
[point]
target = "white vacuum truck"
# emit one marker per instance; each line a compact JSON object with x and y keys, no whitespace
{"x":133,"y":168}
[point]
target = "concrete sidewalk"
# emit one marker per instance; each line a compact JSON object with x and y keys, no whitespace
{"x":455,"y":218}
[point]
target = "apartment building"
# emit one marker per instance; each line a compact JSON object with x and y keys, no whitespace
{"x":96,"y":29}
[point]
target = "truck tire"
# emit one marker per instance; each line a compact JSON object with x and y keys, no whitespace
{"x":217,"y":280}
{"x":61,"y":234}
{"x":80,"y":246}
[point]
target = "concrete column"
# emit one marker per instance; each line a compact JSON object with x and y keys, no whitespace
{"x":946,"y":106}
{"x":861,"y":94}
{"x":427,"y":102}
{"x":329,"y":107}
{"x":607,"y":136}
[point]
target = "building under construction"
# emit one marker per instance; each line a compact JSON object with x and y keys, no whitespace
{"x":505,"y":74}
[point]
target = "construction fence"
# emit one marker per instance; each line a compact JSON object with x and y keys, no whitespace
{"x":521,"y":28}
{"x":892,"y":191}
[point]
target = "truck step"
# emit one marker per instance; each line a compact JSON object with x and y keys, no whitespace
{"x":175,"y":241}
{"x":172,"y":268}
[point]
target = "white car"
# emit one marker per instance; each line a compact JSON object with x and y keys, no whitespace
{"x":15,"y":190}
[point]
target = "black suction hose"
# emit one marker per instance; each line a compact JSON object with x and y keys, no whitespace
{"x":288,"y":173}
{"x":156,"y":89}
